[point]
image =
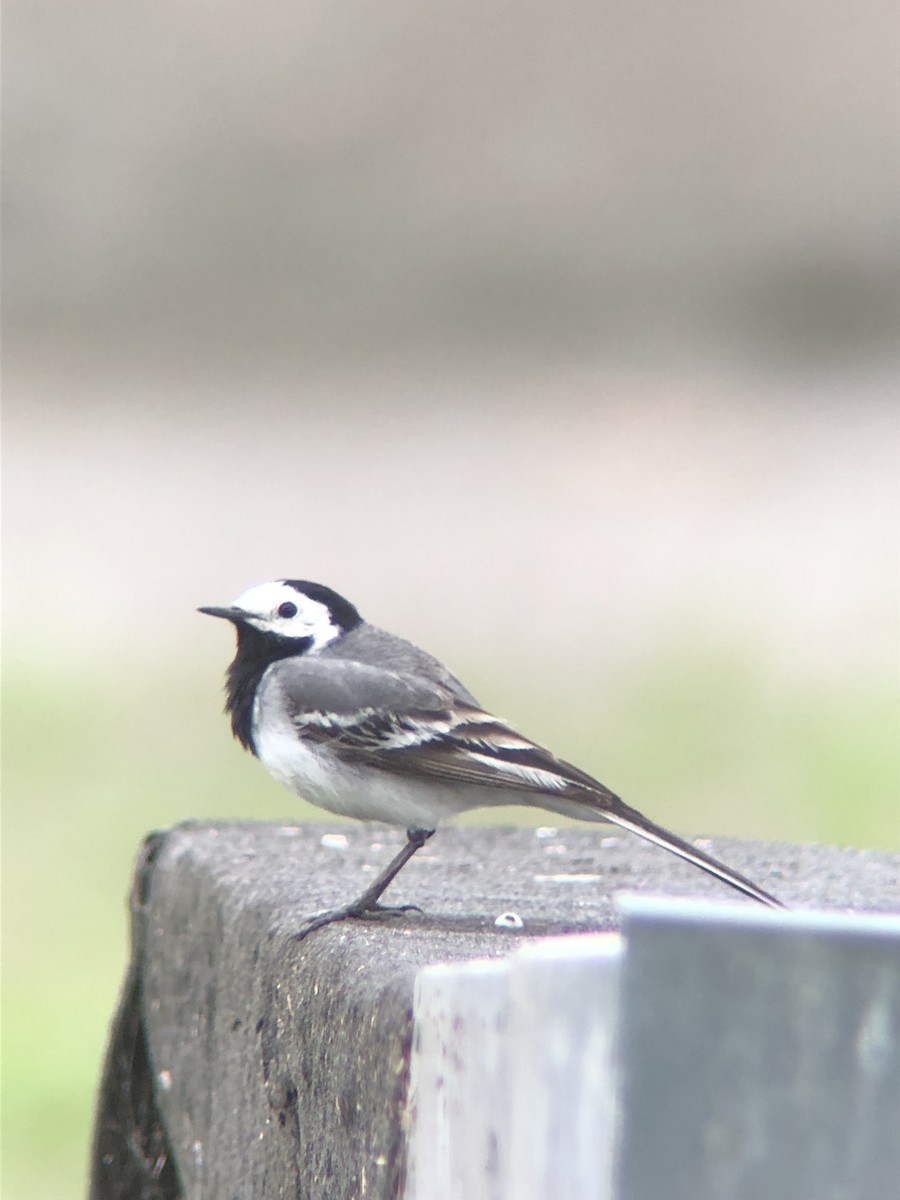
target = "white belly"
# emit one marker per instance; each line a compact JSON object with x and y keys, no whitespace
{"x":361,"y":792}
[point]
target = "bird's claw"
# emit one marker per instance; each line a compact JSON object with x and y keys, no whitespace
{"x":376,"y":912}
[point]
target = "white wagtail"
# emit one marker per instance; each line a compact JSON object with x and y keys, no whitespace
{"x":367,"y":725}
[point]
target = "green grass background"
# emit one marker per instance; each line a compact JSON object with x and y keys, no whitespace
{"x":704,"y":739}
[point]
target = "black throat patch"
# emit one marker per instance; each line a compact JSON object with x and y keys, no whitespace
{"x":256,"y":652}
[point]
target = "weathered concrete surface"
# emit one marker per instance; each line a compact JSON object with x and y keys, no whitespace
{"x":131,"y":1158}
{"x":280,"y":1068}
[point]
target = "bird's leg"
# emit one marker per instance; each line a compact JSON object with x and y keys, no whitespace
{"x":368,"y":901}
{"x":367,"y":904}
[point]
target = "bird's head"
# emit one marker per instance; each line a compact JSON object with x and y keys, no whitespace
{"x":291,"y":611}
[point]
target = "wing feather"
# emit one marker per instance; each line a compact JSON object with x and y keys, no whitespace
{"x":408,"y":726}
{"x":423,"y":729}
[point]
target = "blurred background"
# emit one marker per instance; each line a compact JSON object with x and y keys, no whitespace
{"x":560,"y":338}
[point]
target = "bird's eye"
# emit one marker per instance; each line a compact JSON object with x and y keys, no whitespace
{"x":287,"y":609}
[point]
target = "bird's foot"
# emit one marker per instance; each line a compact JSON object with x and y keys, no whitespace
{"x":371,"y":912}
{"x":388,"y":910}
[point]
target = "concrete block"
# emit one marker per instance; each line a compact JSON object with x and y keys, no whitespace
{"x":246,"y":1064}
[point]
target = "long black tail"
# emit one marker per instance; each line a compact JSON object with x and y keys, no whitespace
{"x":637,"y":823}
{"x":608,"y":807}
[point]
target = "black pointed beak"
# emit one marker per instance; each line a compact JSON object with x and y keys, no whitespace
{"x":235,"y":614}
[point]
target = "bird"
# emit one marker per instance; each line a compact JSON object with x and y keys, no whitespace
{"x":367,"y":725}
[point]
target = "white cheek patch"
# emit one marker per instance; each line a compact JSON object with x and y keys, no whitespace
{"x":311,"y":620}
{"x":306,"y":626}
